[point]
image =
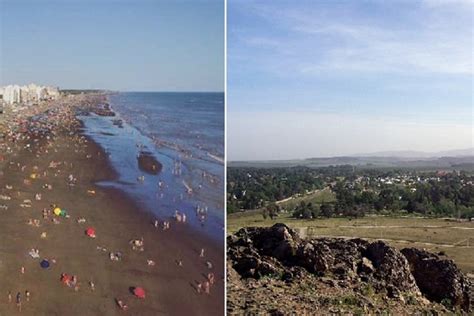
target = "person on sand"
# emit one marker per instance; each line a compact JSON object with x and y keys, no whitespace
{"x":210,"y":278}
{"x":151,"y":262}
{"x":74,"y":280}
{"x":113,"y":257}
{"x":199,"y":288}
{"x":27,"y":295}
{"x":207,"y":287}
{"x":137,"y":244}
{"x":22,"y":270}
{"x":92,"y":285}
{"x":65,"y":279}
{"x":201,"y":254}
{"x":121,"y":304}
{"x":9,"y":296}
{"x":18,"y":300}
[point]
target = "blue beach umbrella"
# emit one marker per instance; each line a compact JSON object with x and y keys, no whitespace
{"x":44,"y":264}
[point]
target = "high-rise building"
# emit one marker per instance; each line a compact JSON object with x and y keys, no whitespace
{"x":15,"y":94}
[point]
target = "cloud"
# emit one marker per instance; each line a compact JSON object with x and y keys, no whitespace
{"x":437,"y":3}
{"x":436,"y":39}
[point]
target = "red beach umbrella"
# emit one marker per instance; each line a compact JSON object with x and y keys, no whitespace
{"x":139,"y":292}
{"x":90,"y":232}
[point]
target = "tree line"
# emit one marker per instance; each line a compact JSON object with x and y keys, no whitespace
{"x":357,"y":191}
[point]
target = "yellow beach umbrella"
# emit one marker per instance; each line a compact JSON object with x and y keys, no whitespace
{"x":57,"y":211}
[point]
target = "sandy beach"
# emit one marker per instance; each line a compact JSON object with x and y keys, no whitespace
{"x":60,"y":169}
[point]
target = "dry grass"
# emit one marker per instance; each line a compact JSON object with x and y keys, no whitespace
{"x":318,"y":197}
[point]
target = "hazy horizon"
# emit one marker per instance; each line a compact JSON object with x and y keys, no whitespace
{"x":410,"y":154}
{"x":111,"y":90}
{"x":119,"y":45}
{"x":318,"y":79}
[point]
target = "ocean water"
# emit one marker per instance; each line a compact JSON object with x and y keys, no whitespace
{"x":185,"y":133}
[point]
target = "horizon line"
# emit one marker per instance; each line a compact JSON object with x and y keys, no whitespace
{"x":145,"y":91}
{"x":366,"y":155}
{"x":116,"y":90}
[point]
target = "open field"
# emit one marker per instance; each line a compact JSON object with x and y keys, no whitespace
{"x":454,"y":238}
{"x":317,"y":197}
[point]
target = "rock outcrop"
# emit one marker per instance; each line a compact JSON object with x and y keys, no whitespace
{"x":278,"y":252}
{"x":438,"y":279}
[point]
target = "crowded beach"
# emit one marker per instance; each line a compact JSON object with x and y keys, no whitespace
{"x":70,"y":246}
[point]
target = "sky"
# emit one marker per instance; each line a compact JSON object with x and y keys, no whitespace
{"x":127,"y":45}
{"x":331,"y":78}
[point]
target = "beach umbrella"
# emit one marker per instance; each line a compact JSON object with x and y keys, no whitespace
{"x":90,"y":232}
{"x":57,"y":211}
{"x":44,"y":264}
{"x":139,"y":292}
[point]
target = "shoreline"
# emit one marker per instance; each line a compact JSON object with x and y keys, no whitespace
{"x":117,"y":219}
{"x":192,"y":156}
{"x":124,"y":144}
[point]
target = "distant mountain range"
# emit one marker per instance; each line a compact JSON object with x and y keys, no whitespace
{"x":421,"y":154}
{"x":452,"y":159}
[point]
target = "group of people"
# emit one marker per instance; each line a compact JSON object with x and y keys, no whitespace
{"x":179,"y":216}
{"x":165,"y":225}
{"x":201,"y":213}
{"x":70,"y":280}
{"x":115,"y":256}
{"x":18,"y":298}
{"x":205,"y":287}
{"x":33,"y":222}
{"x":138,"y":244}
{"x":34,"y":253}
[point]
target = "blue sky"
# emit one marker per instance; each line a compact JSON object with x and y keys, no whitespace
{"x":139,"y":45}
{"x":324,"y":78}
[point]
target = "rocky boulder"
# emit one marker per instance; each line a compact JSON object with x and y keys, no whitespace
{"x":278,"y":251}
{"x":279,"y":242}
{"x":391,"y":268}
{"x":314,"y":257}
{"x":439,"y":279}
{"x":256,"y":252}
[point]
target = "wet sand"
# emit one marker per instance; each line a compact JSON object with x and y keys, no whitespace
{"x":170,"y":288}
